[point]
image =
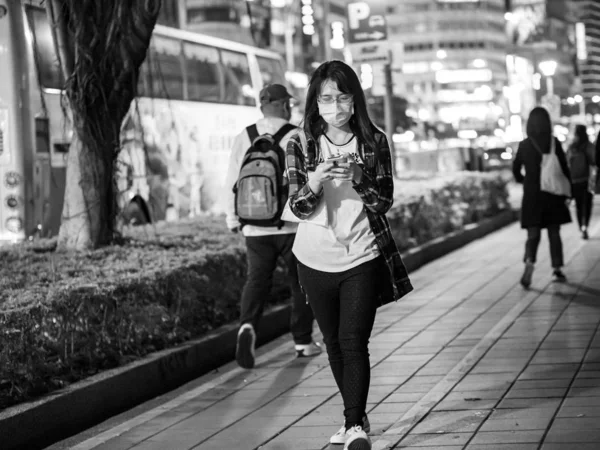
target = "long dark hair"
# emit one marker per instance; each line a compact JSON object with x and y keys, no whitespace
{"x":583,"y":139}
{"x":539,"y":127}
{"x":347,"y":82}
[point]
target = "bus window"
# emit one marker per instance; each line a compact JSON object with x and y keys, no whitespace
{"x":271,"y":70}
{"x":165,"y":74}
{"x":202,"y":71}
{"x":46,"y":60}
{"x":238,"y":83}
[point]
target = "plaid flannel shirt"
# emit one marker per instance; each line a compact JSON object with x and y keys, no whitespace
{"x":376,"y":190}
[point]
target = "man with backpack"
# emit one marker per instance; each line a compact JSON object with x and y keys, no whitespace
{"x":256,"y":192}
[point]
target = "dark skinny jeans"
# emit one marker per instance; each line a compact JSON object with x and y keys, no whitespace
{"x":534,"y":234}
{"x":262,"y":253}
{"x":344,"y":306}
{"x":584,"y":201}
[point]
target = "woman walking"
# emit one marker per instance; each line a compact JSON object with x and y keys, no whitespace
{"x":581,"y":159}
{"x":340,"y":165}
{"x":540,"y":209}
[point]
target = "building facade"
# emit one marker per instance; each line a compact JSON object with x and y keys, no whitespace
{"x":452,"y":62}
{"x":589,"y":65}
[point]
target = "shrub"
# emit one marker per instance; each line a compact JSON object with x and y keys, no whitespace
{"x":426,"y":209}
{"x":66,"y":316}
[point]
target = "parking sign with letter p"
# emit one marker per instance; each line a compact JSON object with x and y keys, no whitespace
{"x":356,"y":13}
{"x":366,"y":22}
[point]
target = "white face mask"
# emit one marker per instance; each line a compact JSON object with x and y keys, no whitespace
{"x":336,"y":114}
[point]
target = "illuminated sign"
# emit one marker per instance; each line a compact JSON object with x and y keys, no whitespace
{"x":337,"y":35}
{"x":308,"y":20}
{"x":580,"y":39}
{"x":526,"y":22}
{"x":463,"y":76}
{"x":481,"y":94}
{"x":366,"y":23}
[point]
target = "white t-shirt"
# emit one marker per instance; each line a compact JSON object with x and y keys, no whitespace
{"x":348,"y":241}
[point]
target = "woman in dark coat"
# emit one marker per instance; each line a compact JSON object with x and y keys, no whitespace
{"x":581,"y":159}
{"x":540,"y":209}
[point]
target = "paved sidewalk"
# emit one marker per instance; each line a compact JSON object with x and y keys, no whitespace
{"x":469,"y":360}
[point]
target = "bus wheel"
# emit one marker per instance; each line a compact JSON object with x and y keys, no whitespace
{"x":134,"y":214}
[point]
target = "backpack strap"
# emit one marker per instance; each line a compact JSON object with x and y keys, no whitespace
{"x":283,"y":131}
{"x":252,"y":132}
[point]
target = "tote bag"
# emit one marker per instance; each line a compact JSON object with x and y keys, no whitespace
{"x":552,"y":178}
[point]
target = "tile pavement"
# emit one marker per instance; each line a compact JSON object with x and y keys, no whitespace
{"x":469,"y":360}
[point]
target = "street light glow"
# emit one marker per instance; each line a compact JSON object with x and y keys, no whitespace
{"x":548,"y":68}
{"x":578,"y":98}
{"x":596,"y":98}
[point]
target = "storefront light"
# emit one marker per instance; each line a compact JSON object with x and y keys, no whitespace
{"x":14,"y":224}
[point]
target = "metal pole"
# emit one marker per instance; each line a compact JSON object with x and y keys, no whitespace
{"x":326,"y":31}
{"x":550,"y":85}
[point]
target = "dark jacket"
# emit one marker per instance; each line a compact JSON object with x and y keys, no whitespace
{"x":539,"y":209}
{"x":580,"y":161}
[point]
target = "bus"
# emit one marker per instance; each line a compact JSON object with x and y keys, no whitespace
{"x":195,"y":93}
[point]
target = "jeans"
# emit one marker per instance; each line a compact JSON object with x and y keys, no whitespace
{"x":262,"y":254}
{"x":584,"y":200}
{"x":344,"y":304}
{"x":534,"y":235}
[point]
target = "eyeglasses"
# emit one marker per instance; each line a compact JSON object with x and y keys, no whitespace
{"x":328,"y":99}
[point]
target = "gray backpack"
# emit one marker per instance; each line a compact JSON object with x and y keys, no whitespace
{"x":261,"y":189}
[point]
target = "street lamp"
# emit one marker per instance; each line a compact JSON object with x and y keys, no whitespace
{"x":548,"y":69}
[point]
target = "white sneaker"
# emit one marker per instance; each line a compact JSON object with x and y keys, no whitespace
{"x":244,"y":352}
{"x":312,"y":349}
{"x":357,"y":439}
{"x":341,"y":436}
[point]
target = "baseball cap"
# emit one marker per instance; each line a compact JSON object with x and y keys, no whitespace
{"x":273,"y":92}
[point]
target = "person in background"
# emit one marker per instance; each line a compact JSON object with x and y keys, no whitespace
{"x":264,"y":245}
{"x":540,"y":209}
{"x":581,"y":159}
{"x":349,"y":265}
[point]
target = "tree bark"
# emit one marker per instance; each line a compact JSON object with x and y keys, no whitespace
{"x":101,"y":48}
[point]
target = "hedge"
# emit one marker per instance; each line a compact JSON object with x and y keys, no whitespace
{"x":66,"y":316}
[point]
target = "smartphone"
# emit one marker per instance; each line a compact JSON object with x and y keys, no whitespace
{"x":337,"y":159}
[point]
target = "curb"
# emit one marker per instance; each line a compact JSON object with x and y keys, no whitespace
{"x":80,"y":406}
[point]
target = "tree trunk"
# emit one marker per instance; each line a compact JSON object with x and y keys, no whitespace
{"x":101,"y":48}
{"x":85,"y":217}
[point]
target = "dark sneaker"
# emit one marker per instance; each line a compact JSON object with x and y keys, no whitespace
{"x":244,"y":352}
{"x":558,"y":276}
{"x":584,"y":234}
{"x":527,"y":274}
{"x":312,"y":349}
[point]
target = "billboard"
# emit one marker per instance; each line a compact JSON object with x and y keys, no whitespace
{"x":526,"y":22}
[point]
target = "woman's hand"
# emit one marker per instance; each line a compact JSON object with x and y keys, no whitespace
{"x":322,"y":173}
{"x":348,"y":171}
